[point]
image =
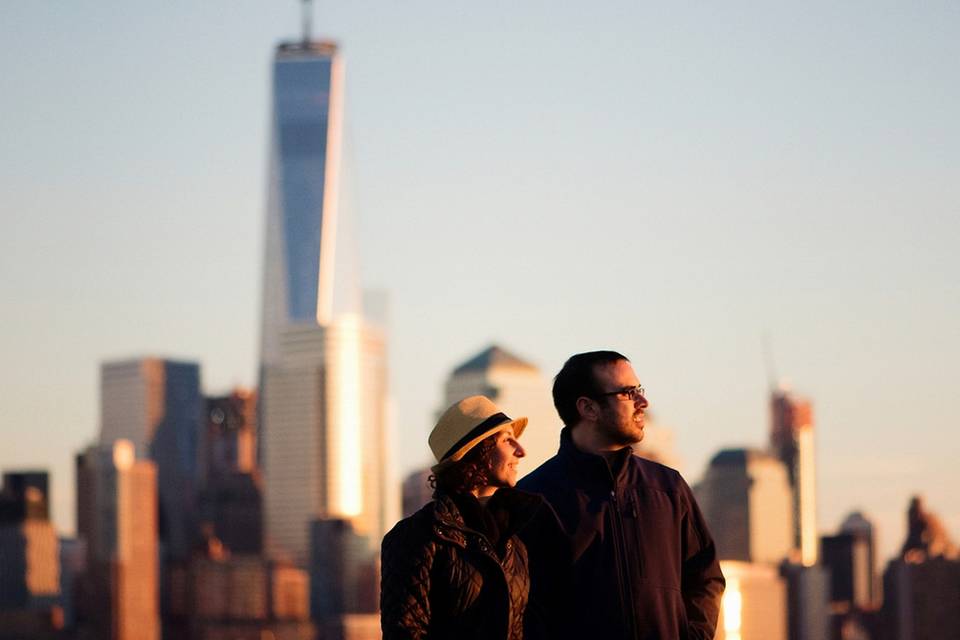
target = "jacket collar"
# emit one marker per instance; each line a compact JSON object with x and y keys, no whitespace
{"x":592,"y":467}
{"x":449,"y":525}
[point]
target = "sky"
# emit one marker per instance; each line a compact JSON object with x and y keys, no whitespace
{"x":683,"y":184}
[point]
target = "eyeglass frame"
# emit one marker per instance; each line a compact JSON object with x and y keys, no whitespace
{"x":635,"y":394}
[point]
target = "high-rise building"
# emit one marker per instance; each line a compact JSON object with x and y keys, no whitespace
{"x":303,"y":190}
{"x":792,"y":440}
{"x":342,"y":575}
{"x":746,"y":500}
{"x":117,"y":519}
{"x":230,"y":503}
{"x":324,"y":404}
{"x":229,"y":442}
{"x":754,"y":605}
{"x":157,"y":405}
{"x":519,"y":389}
{"x":808,"y":596}
{"x":29,"y":551}
{"x":921,"y":588}
{"x":324,"y":411}
{"x":850,"y":557}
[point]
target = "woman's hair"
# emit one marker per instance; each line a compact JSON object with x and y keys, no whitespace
{"x":467,"y":473}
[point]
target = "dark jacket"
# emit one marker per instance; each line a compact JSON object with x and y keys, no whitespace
{"x":645,"y":565}
{"x":445,"y":578}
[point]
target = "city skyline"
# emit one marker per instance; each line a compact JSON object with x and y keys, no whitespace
{"x":745,"y":193}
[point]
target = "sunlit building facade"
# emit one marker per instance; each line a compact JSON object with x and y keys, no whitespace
{"x":746,"y":499}
{"x":29,"y":549}
{"x":754,"y":605}
{"x":117,"y":519}
{"x":792,"y":440}
{"x":325,"y":454}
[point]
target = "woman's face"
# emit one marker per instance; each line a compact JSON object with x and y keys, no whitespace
{"x":504,"y":458}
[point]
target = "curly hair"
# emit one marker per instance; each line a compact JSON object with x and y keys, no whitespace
{"x":468,"y":473}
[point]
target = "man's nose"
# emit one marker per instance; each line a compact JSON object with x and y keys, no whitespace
{"x":518,"y":450}
{"x":641,"y":402}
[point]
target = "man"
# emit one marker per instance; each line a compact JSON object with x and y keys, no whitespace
{"x":645,"y":566}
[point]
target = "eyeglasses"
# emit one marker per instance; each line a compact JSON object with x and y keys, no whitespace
{"x":635,"y":394}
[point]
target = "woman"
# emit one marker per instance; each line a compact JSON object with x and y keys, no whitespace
{"x":458,"y":568}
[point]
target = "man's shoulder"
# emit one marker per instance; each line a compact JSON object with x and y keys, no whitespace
{"x":543,"y":477}
{"x":656,"y":475}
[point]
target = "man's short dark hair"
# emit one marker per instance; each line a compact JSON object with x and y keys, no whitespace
{"x":577,"y":379}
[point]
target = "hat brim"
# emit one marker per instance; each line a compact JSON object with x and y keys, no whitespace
{"x":518,"y":424}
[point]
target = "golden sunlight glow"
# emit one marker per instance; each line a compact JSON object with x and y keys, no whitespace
{"x":331,"y":196}
{"x":345,"y":449}
{"x":808,"y":496}
{"x":732,"y":607}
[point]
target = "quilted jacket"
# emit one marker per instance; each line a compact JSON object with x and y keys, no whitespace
{"x":443,"y":579}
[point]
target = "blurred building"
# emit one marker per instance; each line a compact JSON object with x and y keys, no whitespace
{"x":921,"y":599}
{"x":117,"y":519}
{"x":746,"y":499}
{"x":218,"y":596}
{"x":73,"y":564}
{"x":792,"y":441}
{"x":302,"y":191}
{"x":519,"y":389}
{"x":808,"y":596}
{"x":343,"y":575}
{"x":230,"y":502}
{"x":416,"y":491}
{"x":324,"y":395}
{"x":921,"y":588}
{"x":229,"y":443}
{"x":29,"y":549}
{"x":25,"y":495}
{"x":849,"y":555}
{"x":325,"y":454}
{"x":157,"y":405}
{"x":754,"y":605}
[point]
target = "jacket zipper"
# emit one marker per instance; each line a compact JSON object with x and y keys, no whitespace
{"x":623,"y":571}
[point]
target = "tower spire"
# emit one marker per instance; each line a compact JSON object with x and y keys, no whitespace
{"x":307,"y":19}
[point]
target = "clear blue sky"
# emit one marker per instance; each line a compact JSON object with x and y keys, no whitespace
{"x":671,"y":182}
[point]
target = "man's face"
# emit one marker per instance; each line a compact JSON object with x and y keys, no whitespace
{"x":620,"y":420}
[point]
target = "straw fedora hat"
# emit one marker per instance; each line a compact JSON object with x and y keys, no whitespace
{"x":465,"y":424}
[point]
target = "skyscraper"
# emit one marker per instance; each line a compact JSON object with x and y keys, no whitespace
{"x":850,"y":556}
{"x":324,"y":410}
{"x":746,"y":501}
{"x":792,"y":440}
{"x":29,"y":567}
{"x":302,"y":190}
{"x":157,"y":405}
{"x":117,"y":517}
{"x":324,"y":401}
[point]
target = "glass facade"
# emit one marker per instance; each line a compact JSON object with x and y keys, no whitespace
{"x":302,"y":190}
{"x":301,"y":94}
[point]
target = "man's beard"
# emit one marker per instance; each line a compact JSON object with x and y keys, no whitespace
{"x":616,"y":433}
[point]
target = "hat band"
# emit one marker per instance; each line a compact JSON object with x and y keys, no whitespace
{"x":486,"y":425}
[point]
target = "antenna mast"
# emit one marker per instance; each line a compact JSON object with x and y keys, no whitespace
{"x":307,"y":19}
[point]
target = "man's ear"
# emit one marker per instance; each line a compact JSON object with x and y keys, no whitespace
{"x":587,"y":409}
